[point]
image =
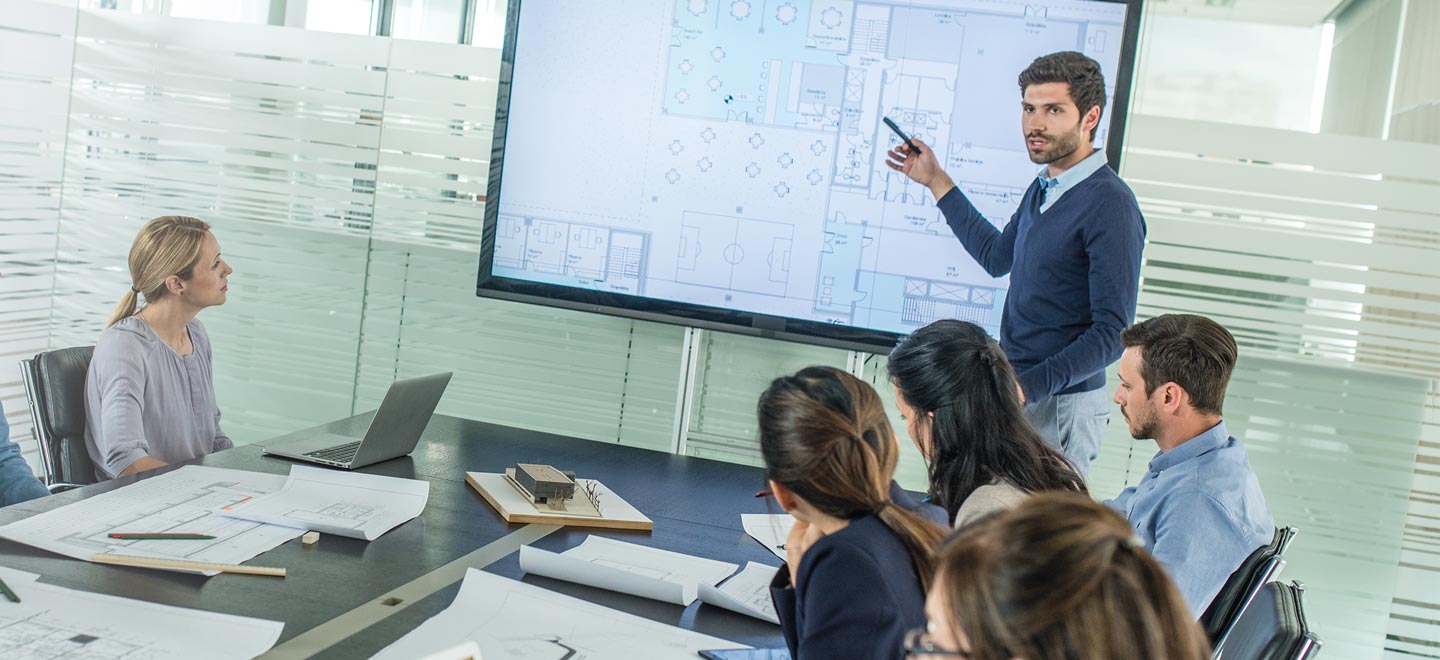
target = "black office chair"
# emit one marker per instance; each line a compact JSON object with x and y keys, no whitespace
{"x":55,"y":388}
{"x":1273,"y":627}
{"x":1262,"y":566}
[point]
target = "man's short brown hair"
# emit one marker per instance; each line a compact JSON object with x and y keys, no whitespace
{"x":1191,"y":351}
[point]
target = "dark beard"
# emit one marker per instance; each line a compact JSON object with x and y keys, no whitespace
{"x":1060,"y":148}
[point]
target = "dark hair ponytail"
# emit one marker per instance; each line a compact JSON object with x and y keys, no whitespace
{"x":824,"y":435}
{"x":979,"y":433}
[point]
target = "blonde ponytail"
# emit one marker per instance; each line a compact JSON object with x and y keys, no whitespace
{"x":125,"y":309}
{"x":168,"y":245}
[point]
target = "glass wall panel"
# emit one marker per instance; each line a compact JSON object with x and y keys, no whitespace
{"x":277,"y":152}
{"x":37,"y":46}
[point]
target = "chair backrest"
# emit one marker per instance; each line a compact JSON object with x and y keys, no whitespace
{"x":1263,"y":565}
{"x":55,"y":383}
{"x":1273,"y":627}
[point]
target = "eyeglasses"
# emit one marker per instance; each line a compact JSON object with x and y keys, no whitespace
{"x":918,"y":644}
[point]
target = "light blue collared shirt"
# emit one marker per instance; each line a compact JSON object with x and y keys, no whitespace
{"x":17,"y":482}
{"x":1068,"y":179}
{"x":1200,"y":511}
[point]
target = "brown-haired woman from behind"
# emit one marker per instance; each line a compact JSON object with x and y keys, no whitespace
{"x":858,"y":563}
{"x":149,"y":392}
{"x":1058,"y":577}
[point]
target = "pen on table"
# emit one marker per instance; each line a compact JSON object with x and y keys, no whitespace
{"x":9,"y":594}
{"x":764,"y":493}
{"x":160,"y":536}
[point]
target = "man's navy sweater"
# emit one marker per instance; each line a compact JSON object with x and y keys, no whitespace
{"x":1074,"y":276}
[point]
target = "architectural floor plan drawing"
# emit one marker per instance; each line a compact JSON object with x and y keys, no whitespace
{"x":735,"y":153}
{"x":746,"y":592}
{"x":52,"y":622}
{"x":352,"y":504}
{"x":179,"y":501}
{"x":511,"y":619}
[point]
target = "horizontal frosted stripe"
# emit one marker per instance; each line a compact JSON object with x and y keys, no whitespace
{"x":444,"y":59}
{"x":1341,"y":153}
{"x":425,"y":180}
{"x":205,"y":141}
{"x":451,"y":151}
{"x":312,"y":91}
{"x":50,"y":55}
{"x":229,"y":74}
{"x":46,"y":18}
{"x":1391,"y":194}
{"x":160,"y":113}
{"x":1330,"y":216}
{"x":186,"y":34}
{"x":1179,"y":256}
{"x":1300,"y":290}
{"x":1280,"y":322}
{"x":243,"y":164}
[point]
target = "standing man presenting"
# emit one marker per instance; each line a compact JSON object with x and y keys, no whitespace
{"x":1072,"y":251}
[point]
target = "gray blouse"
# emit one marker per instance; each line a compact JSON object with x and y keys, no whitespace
{"x":995,"y":496}
{"x":144,"y":399}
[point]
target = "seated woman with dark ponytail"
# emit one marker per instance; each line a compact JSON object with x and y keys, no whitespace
{"x":1058,"y":577}
{"x":858,"y":563}
{"x":964,"y":411}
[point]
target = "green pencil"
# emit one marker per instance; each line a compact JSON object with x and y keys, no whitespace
{"x":9,"y":593}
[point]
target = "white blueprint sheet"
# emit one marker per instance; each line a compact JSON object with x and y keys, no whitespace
{"x":179,"y":501}
{"x":628,"y":568}
{"x":52,"y":622}
{"x":748,"y":593}
{"x":511,"y":619}
{"x":770,"y":530}
{"x":361,"y":506}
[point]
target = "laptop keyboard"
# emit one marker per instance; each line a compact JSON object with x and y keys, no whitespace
{"x":337,"y":454}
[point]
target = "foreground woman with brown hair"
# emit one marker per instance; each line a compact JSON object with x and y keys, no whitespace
{"x":1059,"y":577}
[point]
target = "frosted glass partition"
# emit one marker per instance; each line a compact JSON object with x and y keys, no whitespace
{"x":270,"y":134}
{"x":37,"y":42}
{"x":1318,"y":251}
{"x":559,"y":371}
{"x":732,"y":372}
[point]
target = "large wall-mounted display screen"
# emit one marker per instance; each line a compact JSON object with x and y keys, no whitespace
{"x":720,"y":163}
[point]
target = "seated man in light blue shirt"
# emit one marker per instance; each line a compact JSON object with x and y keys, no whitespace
{"x":17,"y":481}
{"x":1199,"y":508}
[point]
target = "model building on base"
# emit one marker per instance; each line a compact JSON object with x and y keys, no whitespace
{"x":545,"y":484}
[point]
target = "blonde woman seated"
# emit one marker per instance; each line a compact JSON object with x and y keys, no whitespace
{"x":1058,"y":577}
{"x":149,"y":394}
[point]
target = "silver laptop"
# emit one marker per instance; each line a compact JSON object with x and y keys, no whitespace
{"x":393,"y":432}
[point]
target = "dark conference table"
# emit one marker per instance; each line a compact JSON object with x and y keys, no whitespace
{"x":348,"y":598}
